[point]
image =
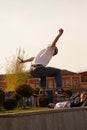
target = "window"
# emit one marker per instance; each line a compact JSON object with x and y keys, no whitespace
{"x":67,"y":83}
{"x":75,"y":82}
{"x":50,"y":85}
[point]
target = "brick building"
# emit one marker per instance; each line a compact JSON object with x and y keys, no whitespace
{"x":70,"y":80}
{"x":83,"y":79}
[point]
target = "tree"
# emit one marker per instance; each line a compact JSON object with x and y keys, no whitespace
{"x":16,"y":73}
{"x":24,"y":90}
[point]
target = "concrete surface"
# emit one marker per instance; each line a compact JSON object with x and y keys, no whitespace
{"x":62,"y":119}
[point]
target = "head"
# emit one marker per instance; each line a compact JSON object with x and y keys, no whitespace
{"x":51,"y":105}
{"x":56,"y":51}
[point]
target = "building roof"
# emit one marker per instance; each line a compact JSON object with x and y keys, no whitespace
{"x":66,"y":72}
{"x":83,"y":73}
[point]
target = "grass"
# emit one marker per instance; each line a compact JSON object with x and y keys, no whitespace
{"x":29,"y":109}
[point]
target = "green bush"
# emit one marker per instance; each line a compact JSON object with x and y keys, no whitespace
{"x":24,"y":90}
{"x":10,"y":103}
{"x":16,"y":96}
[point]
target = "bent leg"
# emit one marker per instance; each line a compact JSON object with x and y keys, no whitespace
{"x":43,"y":72}
{"x":54,"y":72}
{"x":43,"y":82}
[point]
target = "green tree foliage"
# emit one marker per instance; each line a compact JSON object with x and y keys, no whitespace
{"x":16,"y":96}
{"x":16,"y":73}
{"x":24,"y":90}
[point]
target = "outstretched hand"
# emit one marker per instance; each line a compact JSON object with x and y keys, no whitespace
{"x":19,"y":60}
{"x":60,"y":31}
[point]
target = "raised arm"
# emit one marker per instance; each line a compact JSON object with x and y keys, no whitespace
{"x":57,"y":37}
{"x":26,"y":60}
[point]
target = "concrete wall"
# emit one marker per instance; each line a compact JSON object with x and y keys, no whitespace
{"x":63,"y":119}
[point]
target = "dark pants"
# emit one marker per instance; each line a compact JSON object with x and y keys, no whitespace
{"x":43,"y":72}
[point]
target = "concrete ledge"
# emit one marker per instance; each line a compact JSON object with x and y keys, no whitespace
{"x":62,"y":119}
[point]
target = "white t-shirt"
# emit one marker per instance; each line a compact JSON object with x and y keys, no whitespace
{"x":44,"y":56}
{"x":62,"y":104}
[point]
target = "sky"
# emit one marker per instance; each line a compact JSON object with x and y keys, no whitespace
{"x":32,"y":25}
